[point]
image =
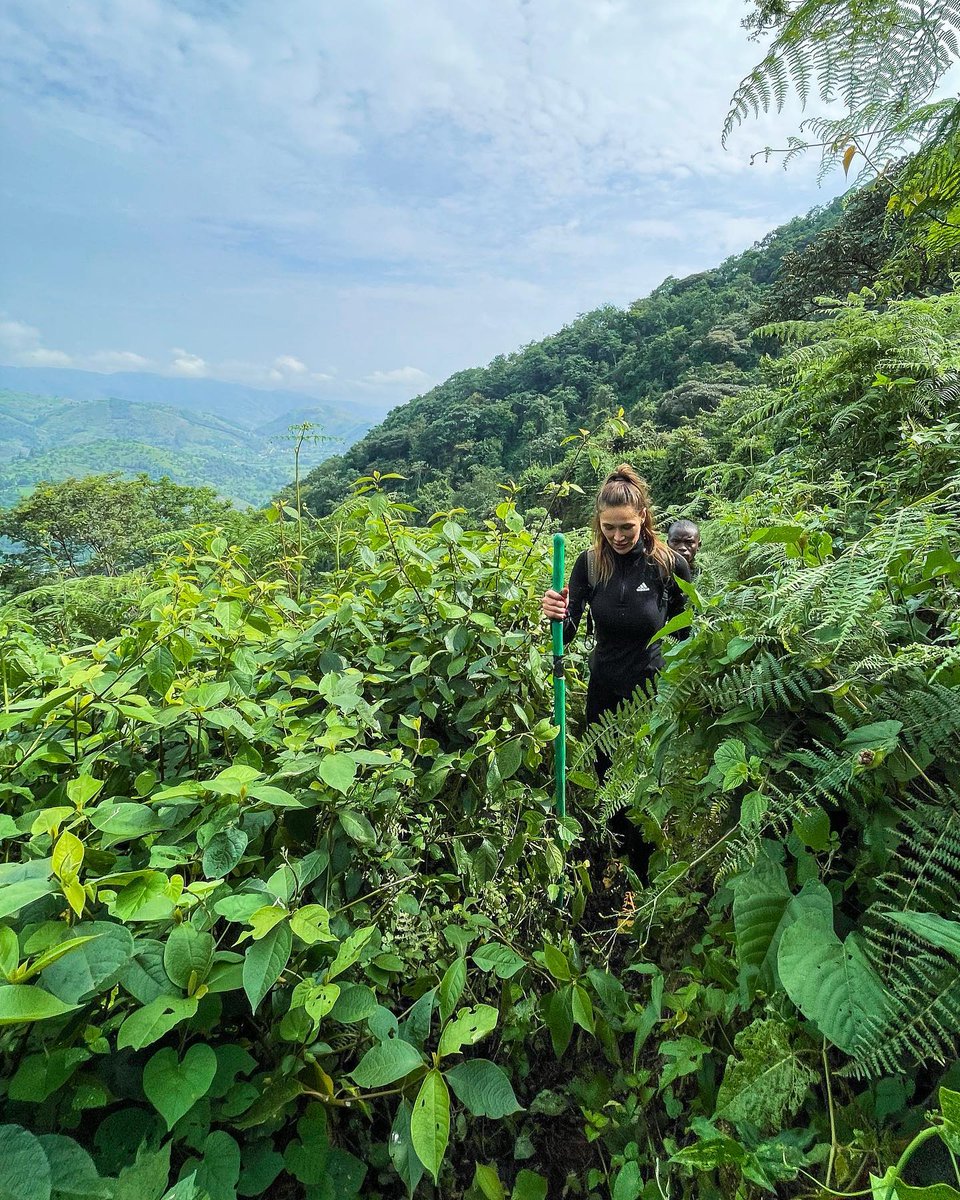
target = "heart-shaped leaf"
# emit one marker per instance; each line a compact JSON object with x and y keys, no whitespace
{"x":173,"y":1086}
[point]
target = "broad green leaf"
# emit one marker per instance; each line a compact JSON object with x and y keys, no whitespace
{"x":765,"y":1082}
{"x":264,"y":962}
{"x":486,"y":1181}
{"x":161,"y":668}
{"x":274,"y":796}
{"x":470,"y":1025}
{"x":173,"y":1085}
{"x":144,"y":898}
{"x":311,"y":924}
{"x":267,"y":917}
{"x":500,"y":959}
{"x":72,"y":1170}
{"x":386,"y":1063}
{"x":355,"y":1003}
{"x":358,"y":828}
{"x":416,"y":1028}
{"x":42,"y":961}
{"x":188,"y":956}
{"x":9,"y":951}
{"x":451,"y":987}
{"x":581,"y":1007}
{"x":317,"y":999}
{"x":83,"y":789}
{"x":152,"y":1022}
{"x":950,"y":1108}
{"x":629,"y":1184}
{"x":556,"y":962}
{"x":14,"y":896}
{"x":483,"y":1088}
{"x":222,"y":853}
{"x":147,"y":1178}
{"x":932,"y":1191}
{"x":763,"y":907}
{"x":219,"y":1169}
{"x":509,"y":758}
{"x":529,"y":1185}
{"x":23,"y":1002}
{"x":67,"y":856}
{"x":430,"y":1122}
{"x":558,"y":1014}
{"x":730,"y":758}
{"x":261,"y":1165}
{"x":402,"y":1154}
{"x":233,"y":780}
{"x":936,"y":930}
{"x":350,"y":950}
{"x":93,"y":967}
{"x":124,"y":819}
{"x":338,"y":770}
{"x":830,"y":981}
{"x":881,"y":735}
{"x":24,"y":1167}
{"x":40,"y":1075}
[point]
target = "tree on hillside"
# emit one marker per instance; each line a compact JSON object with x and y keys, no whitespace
{"x":102,"y":524}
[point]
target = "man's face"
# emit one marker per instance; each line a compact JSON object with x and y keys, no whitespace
{"x":686,"y":543}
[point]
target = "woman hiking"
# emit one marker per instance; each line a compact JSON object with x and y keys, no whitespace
{"x":628,"y":578}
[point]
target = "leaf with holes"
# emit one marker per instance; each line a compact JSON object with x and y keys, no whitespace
{"x":470,"y":1025}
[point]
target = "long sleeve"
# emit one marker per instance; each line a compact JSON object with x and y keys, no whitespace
{"x":579,"y":585}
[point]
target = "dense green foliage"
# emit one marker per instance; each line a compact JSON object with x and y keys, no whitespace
{"x":286,"y":912}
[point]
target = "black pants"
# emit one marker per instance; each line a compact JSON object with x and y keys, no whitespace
{"x":601,"y":699}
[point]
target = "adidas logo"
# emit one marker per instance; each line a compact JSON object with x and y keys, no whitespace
{"x":643,"y":588}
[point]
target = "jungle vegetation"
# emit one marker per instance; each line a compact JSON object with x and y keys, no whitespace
{"x":285,"y":910}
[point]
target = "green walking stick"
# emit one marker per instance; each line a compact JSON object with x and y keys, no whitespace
{"x":559,"y":686}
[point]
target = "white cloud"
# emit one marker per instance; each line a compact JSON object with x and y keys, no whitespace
{"x":287,"y":364}
{"x":42,"y":357}
{"x":192,"y":366}
{"x":117,"y":360}
{"x":412,"y":376}
{"x":17,"y":336}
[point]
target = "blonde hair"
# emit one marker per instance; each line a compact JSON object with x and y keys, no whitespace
{"x":624,"y":488}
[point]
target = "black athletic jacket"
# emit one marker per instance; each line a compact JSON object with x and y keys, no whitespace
{"x":627,"y":611}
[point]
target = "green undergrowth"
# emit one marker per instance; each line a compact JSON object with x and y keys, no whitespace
{"x":285,"y":911}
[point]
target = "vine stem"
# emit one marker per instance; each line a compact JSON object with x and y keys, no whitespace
{"x":830,"y":1110}
{"x":923,"y":1136}
{"x":403,"y":570}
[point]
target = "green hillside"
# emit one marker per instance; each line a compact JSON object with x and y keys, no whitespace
{"x":669,"y":356}
{"x":52,"y":438}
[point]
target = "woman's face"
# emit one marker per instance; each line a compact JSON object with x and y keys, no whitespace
{"x":621,"y":526}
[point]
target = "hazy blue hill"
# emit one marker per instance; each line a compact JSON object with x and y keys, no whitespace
{"x":51,"y":438}
{"x":246,"y":406}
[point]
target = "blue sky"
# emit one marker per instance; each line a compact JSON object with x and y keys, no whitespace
{"x":358,"y":198}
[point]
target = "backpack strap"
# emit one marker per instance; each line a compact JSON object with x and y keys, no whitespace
{"x":592,"y":581}
{"x":592,"y":569}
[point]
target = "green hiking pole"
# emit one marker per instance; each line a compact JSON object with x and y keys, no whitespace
{"x":559,"y":686}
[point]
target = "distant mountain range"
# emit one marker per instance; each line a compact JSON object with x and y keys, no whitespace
{"x":56,"y":423}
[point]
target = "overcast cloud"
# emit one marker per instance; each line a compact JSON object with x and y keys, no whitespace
{"x":343,"y":198}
